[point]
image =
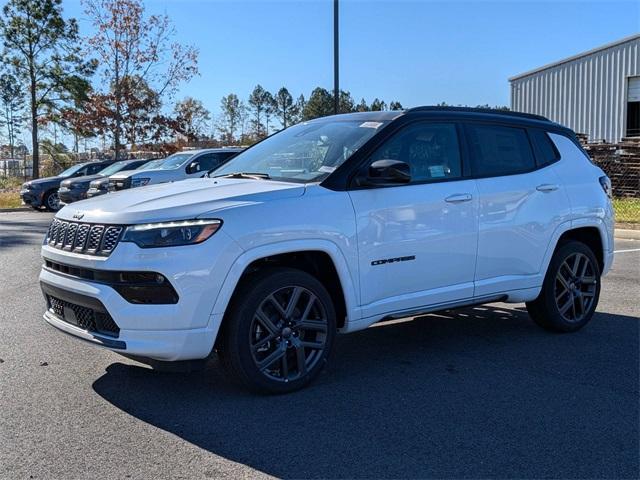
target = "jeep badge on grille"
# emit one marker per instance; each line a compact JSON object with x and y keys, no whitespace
{"x":78,"y":215}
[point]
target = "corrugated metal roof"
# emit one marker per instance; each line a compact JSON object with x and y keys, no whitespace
{"x":575,"y":57}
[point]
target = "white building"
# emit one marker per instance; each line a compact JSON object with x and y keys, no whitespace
{"x":596,"y":92}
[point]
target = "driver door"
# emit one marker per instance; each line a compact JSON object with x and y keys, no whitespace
{"x":417,"y":242}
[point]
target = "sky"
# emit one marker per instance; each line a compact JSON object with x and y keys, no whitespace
{"x":416,"y":52}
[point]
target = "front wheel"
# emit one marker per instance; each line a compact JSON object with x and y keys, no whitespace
{"x":279,"y":331}
{"x":51,"y":201}
{"x":570,"y":291}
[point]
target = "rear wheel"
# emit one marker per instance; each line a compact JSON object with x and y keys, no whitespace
{"x":51,"y":201}
{"x":279,"y":331}
{"x":570,"y":290}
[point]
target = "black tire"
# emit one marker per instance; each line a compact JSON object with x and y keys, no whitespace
{"x":255,"y":330}
{"x":50,"y":201}
{"x":570,"y":291}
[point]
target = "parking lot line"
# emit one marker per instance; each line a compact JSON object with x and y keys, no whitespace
{"x":627,"y":250}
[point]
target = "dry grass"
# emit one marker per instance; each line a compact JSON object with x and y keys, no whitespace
{"x":10,"y":199}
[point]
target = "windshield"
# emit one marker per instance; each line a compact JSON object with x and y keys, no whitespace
{"x":151,"y":164}
{"x":307,"y":152}
{"x":71,"y":170}
{"x":173,"y":161}
{"x":114,"y":168}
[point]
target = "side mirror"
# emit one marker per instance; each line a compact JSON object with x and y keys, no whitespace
{"x":193,"y":167}
{"x":387,"y":172}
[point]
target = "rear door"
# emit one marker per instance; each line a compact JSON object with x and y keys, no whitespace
{"x":521,"y":203}
{"x":417,"y":242}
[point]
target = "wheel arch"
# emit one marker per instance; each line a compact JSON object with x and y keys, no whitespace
{"x":322,"y":259}
{"x":592,"y":233}
{"x":45,"y":195}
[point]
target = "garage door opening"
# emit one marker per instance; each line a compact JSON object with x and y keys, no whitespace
{"x":633,"y":107}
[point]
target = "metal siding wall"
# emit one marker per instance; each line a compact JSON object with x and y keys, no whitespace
{"x":587,"y":94}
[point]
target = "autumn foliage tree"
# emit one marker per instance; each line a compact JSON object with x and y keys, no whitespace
{"x":191,"y":117}
{"x":140,"y":65}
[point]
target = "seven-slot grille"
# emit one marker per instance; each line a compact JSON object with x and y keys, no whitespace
{"x":84,"y":237}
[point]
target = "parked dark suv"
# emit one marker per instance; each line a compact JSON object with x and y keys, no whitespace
{"x":101,"y":185}
{"x":43,"y":192}
{"x":76,"y":188}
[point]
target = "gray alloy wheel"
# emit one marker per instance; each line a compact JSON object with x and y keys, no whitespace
{"x":278,"y":332}
{"x":570,"y":291}
{"x":52,"y":201}
{"x":288,"y":334}
{"x":575,"y":287}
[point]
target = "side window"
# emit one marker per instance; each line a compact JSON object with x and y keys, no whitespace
{"x":431,"y":150}
{"x":498,"y":150}
{"x":93,"y":169}
{"x":204,"y":163}
{"x":546,"y":151}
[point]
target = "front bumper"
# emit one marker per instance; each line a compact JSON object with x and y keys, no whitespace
{"x":67,"y":195}
{"x":185,"y":330}
{"x":94,"y":192}
{"x":31,"y":197}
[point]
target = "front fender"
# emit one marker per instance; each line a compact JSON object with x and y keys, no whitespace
{"x":245,"y":259}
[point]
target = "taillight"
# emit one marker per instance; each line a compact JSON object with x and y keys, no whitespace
{"x":605,"y":183}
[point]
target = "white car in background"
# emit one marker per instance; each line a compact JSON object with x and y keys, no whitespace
{"x":179,"y":166}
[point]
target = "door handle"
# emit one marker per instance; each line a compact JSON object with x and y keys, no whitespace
{"x":458,"y":198}
{"x":547,"y":187}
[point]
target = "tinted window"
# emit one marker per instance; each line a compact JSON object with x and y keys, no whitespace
{"x":545,"y":149}
{"x":497,"y":150}
{"x":209,"y":161}
{"x":430,"y":149}
{"x":93,"y":169}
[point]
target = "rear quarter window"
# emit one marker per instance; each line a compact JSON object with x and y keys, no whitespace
{"x":498,"y":150}
{"x":546,"y":151}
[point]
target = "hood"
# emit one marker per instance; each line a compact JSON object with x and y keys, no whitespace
{"x":153,"y":172}
{"x":46,"y":181}
{"x":104,"y":181}
{"x":76,"y":180}
{"x":178,"y":200}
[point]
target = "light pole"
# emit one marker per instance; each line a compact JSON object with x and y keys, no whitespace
{"x":336,"y":64}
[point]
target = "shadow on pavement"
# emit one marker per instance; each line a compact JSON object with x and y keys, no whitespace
{"x":480,"y":392}
{"x":21,"y":233}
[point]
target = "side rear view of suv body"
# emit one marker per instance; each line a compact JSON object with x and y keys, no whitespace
{"x":331,"y":226}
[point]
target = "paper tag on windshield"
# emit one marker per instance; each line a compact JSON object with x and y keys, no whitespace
{"x":436,"y":171}
{"x":326,"y":169}
{"x":370,"y":124}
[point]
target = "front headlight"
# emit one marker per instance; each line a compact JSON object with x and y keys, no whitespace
{"x":171,"y":234}
{"x":139,"y":182}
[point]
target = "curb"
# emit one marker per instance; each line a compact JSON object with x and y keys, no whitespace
{"x":625,"y":234}
{"x":17,"y":209}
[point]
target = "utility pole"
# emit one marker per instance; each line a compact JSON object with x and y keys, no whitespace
{"x":336,"y":63}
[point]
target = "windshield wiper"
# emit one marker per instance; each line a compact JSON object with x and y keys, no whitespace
{"x":254,"y":175}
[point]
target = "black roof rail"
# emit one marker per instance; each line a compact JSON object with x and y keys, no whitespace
{"x":491,"y":111}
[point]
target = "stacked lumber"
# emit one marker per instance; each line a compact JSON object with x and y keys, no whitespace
{"x":621,"y":162}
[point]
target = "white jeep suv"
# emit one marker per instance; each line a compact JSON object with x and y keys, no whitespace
{"x":331,"y":226}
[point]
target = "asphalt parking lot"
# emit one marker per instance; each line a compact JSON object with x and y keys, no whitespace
{"x":475,"y":393}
